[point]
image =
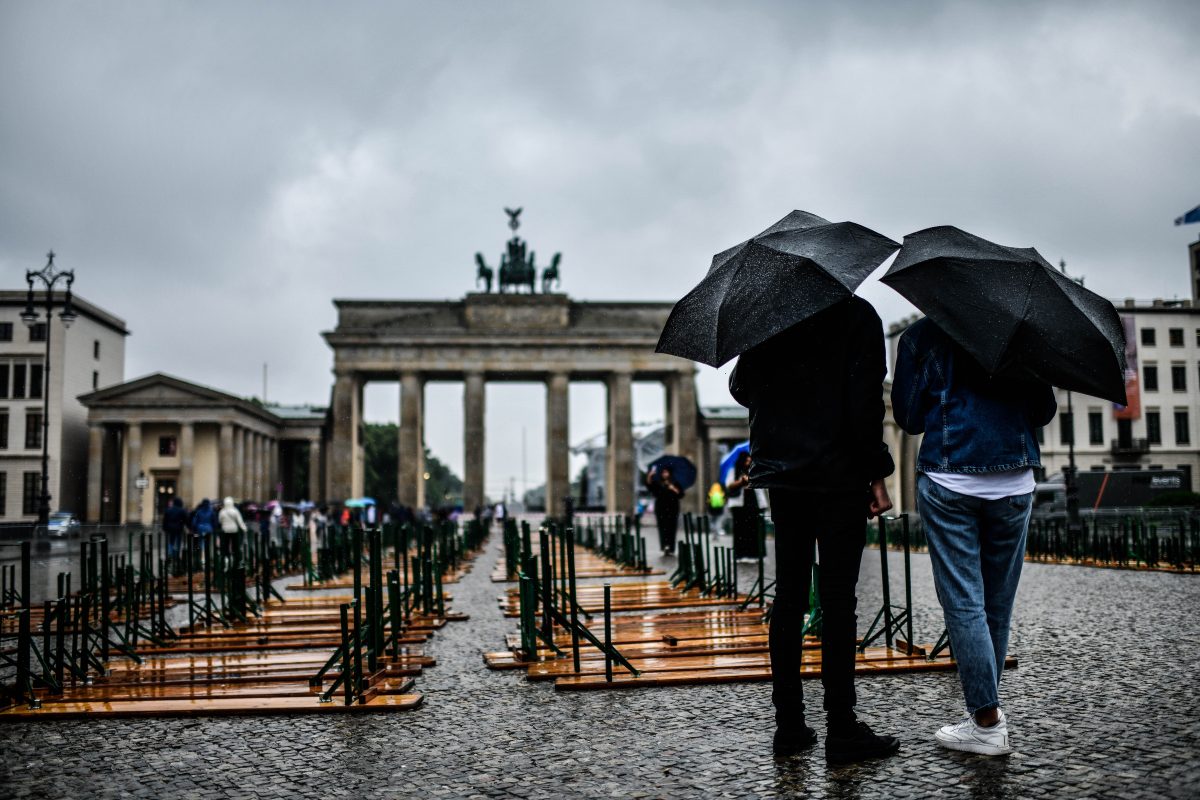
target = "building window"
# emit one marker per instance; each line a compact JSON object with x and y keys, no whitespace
{"x":1041,"y":435}
{"x":1154,"y":467}
{"x":1175,"y":337}
{"x":167,"y":446}
{"x":1182,"y":434}
{"x":37,"y":332}
{"x":4,"y":379}
{"x":95,"y":380}
{"x":1197,"y":336}
{"x":1153,"y":427}
{"x":1178,"y":378}
{"x":1095,"y":427}
{"x":6,"y":329}
{"x":1148,"y":337}
{"x":18,"y":381}
{"x":36,"y":381}
{"x":33,"y":430}
{"x":1066,"y":428}
{"x":1150,"y":377}
{"x":4,"y":430}
{"x":29,"y":493}
{"x":3,"y":493}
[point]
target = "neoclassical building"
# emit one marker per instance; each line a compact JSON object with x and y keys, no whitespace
{"x":159,"y":437}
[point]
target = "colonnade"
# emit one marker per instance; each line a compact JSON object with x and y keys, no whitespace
{"x":346,"y":444}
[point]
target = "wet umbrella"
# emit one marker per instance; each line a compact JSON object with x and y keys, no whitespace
{"x":730,"y":459}
{"x":795,"y":268}
{"x":683,"y":471}
{"x":1012,"y":311}
{"x":359,"y":502}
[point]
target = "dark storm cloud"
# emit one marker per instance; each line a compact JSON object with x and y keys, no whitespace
{"x":217,"y":172}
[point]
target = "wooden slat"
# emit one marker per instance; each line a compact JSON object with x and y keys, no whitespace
{"x":214,"y":707}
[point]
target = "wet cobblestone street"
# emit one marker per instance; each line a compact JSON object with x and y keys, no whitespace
{"x":1102,"y":705}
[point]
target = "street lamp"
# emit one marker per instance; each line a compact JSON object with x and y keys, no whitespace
{"x":49,"y":277}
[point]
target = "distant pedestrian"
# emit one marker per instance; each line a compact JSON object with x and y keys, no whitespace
{"x":667,"y":496}
{"x":716,"y":501}
{"x":230,"y":520}
{"x":203,"y":522}
{"x":174,"y":522}
{"x":744,"y":510}
{"x":975,"y":492}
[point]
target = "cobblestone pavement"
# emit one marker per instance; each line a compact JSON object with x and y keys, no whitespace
{"x":1102,"y":705}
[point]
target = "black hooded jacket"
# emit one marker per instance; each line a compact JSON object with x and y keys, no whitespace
{"x":815,"y":394}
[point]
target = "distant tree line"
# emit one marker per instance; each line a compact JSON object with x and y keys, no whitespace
{"x":381,"y":470}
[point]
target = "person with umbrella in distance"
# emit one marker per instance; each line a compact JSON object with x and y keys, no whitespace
{"x":667,"y":494}
{"x":974,"y":377}
{"x":811,"y":372}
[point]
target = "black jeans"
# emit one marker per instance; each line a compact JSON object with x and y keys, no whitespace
{"x":836,"y":524}
{"x":668,"y":523}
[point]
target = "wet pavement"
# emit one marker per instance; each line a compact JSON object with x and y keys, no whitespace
{"x":1102,"y":705}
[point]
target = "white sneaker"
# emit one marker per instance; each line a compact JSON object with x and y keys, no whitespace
{"x":973,"y":738}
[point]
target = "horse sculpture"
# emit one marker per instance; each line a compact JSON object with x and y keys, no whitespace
{"x":550,"y":274}
{"x":484,"y":273}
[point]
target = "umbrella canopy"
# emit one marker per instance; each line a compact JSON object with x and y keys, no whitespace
{"x":359,"y":502}
{"x":1012,"y":311}
{"x":800,"y":265}
{"x":728,"y":462}
{"x":682,"y":470}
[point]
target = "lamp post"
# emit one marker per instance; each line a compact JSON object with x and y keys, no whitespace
{"x":48,"y":276}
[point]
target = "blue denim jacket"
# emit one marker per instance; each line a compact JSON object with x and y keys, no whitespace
{"x":972,"y":422}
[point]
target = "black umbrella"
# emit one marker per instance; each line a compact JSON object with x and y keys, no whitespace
{"x":683,"y":471}
{"x":1012,"y":311}
{"x":795,"y":268}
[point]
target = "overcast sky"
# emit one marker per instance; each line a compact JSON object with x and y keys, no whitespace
{"x":217,"y":172}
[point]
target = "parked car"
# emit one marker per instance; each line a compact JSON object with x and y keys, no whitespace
{"x":63,"y":524}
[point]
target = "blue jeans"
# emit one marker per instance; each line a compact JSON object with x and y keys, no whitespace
{"x":977,"y":548}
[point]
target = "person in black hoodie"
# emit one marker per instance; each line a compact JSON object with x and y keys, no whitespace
{"x":815,"y":395}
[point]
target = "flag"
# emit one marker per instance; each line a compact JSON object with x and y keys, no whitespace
{"x":1191,"y":216}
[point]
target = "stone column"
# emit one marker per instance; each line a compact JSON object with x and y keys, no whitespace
{"x":273,"y":468}
{"x":618,"y":491}
{"x":343,"y":445}
{"x":225,"y":461}
{"x":558,"y":464}
{"x":95,"y":488}
{"x":685,"y":433}
{"x":133,"y":468}
{"x":474,"y":390}
{"x":314,"y":471}
{"x":239,"y":463}
{"x":187,"y":474}
{"x":255,"y":467}
{"x":410,"y":487}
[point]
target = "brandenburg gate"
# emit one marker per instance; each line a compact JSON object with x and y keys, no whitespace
{"x":546,"y":338}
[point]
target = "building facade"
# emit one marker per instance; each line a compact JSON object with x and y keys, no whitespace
{"x":88,"y":356}
{"x":161,"y":437}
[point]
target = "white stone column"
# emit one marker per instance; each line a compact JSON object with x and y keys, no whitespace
{"x":239,"y":463}
{"x":410,"y":487}
{"x":685,"y":433}
{"x":344,"y":444}
{"x":133,"y":468}
{"x":558,"y":464}
{"x":225,"y":461}
{"x":474,"y":396}
{"x":187,"y":474}
{"x":619,"y":489}
{"x":95,"y":488}
{"x":315,"y":493}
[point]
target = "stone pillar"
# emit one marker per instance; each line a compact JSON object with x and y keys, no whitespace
{"x":474,"y":390}
{"x":685,"y":433}
{"x":252,"y":444}
{"x":273,"y":468}
{"x":133,"y":468}
{"x":225,"y":461}
{"x":343,"y":445}
{"x":187,"y":474}
{"x":95,"y":488}
{"x":239,"y":463}
{"x":618,"y":491}
{"x":558,"y":464}
{"x":410,"y":487}
{"x":314,"y":471}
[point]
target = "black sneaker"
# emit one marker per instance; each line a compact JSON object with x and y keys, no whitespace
{"x":789,"y":741}
{"x":858,"y":743}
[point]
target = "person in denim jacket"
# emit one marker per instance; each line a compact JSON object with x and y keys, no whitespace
{"x":974,"y":493}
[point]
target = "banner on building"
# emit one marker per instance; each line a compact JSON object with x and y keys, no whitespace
{"x":1132,"y":392}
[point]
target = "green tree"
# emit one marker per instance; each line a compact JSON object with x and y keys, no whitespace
{"x":382,"y":465}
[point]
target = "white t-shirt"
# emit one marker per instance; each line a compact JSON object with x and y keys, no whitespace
{"x":986,"y":485}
